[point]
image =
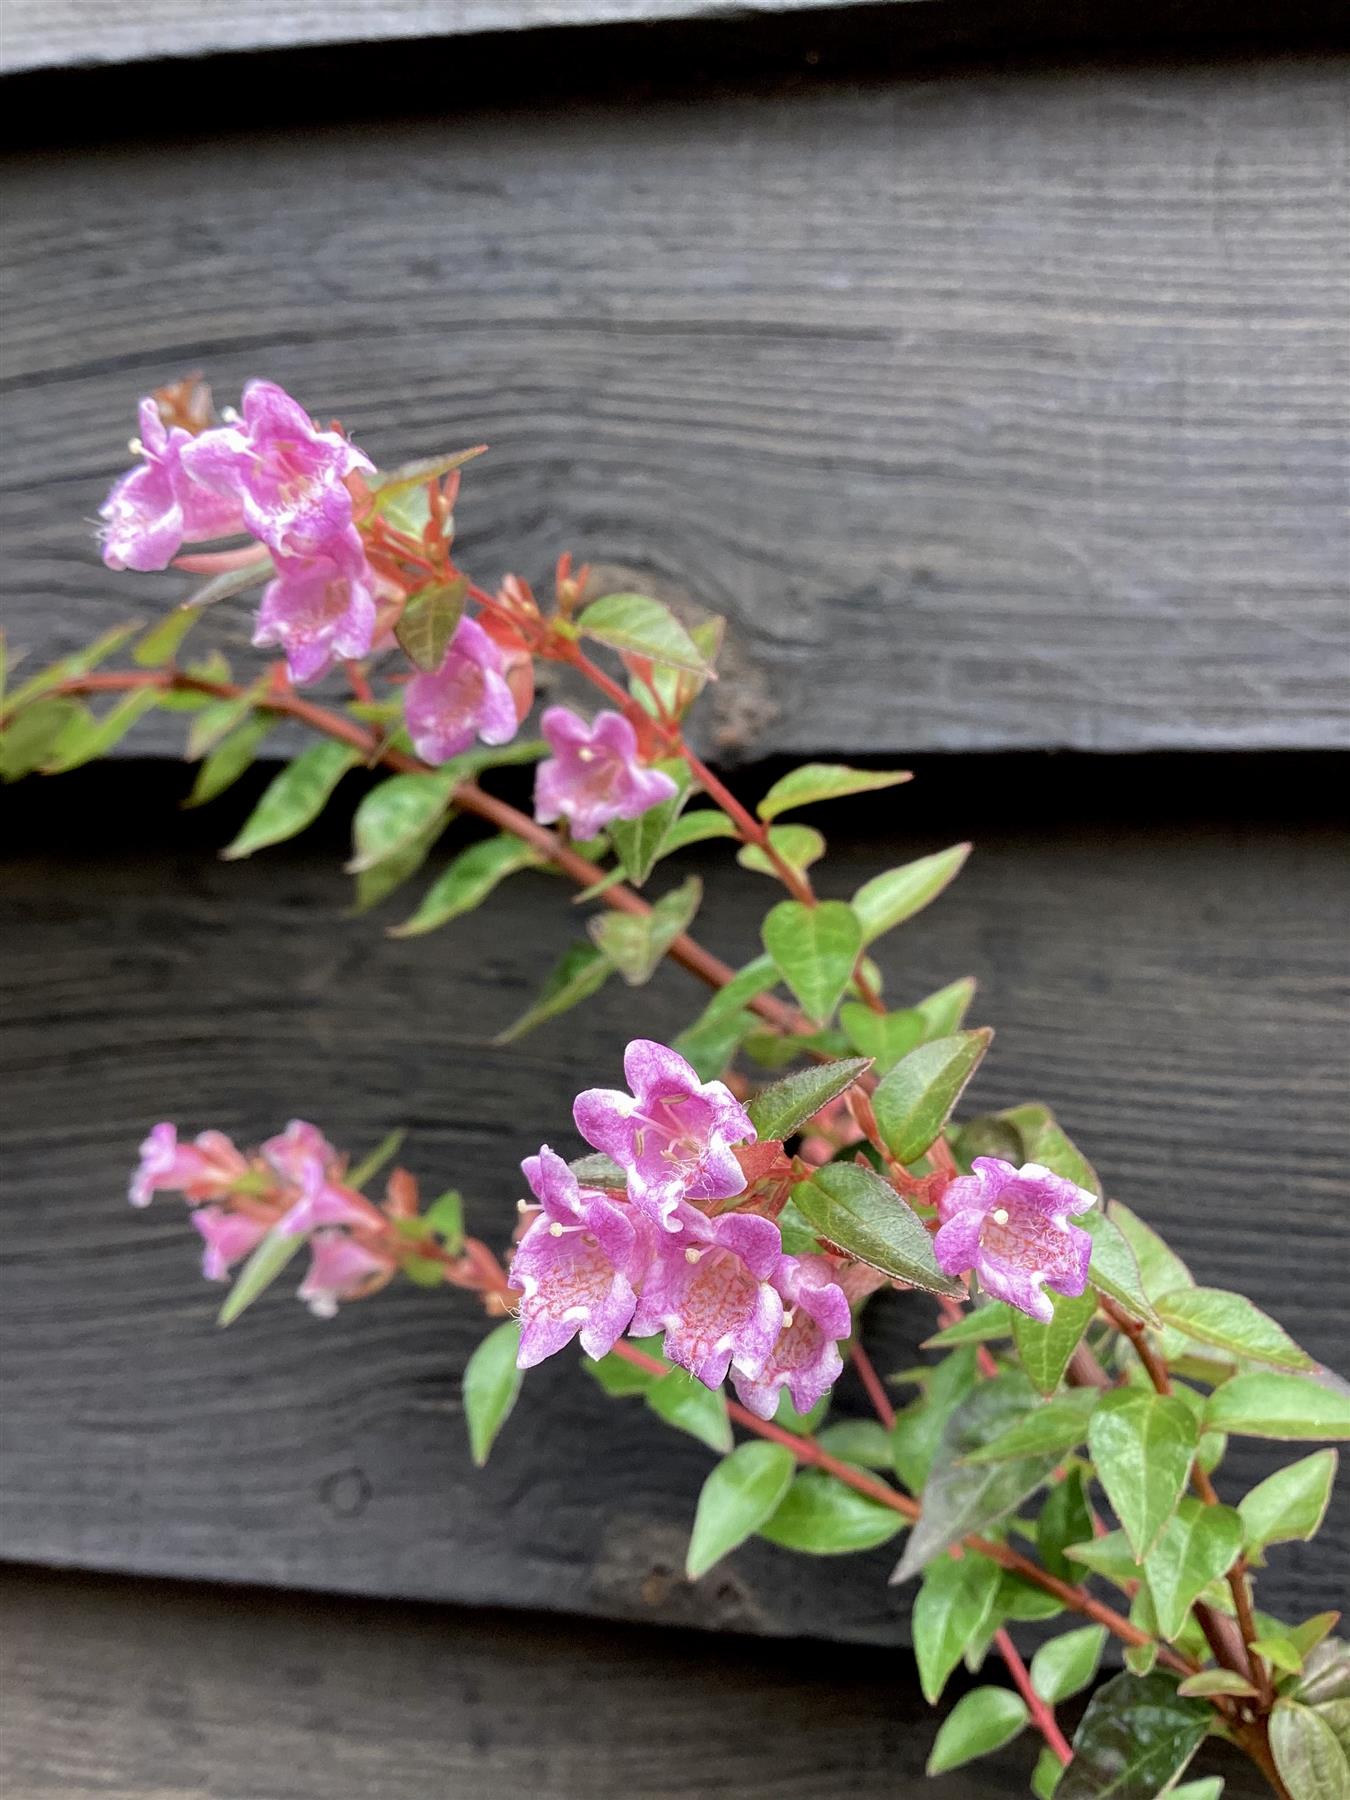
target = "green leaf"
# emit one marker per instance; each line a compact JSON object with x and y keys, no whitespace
{"x":710,"y":1044}
{"x":1110,"y":1556}
{"x":954,"y":1604}
{"x":95,"y":737}
{"x":160,"y":643}
{"x":1278,"y":1406}
{"x":1231,"y":1323}
{"x":394,"y":815}
{"x":912,"y":1104}
{"x":582,"y":972}
{"x":467,"y":881}
{"x":888,"y":900}
{"x":1281,"y":1653}
{"x":428,"y":623}
{"x":824,"y":781}
{"x":1209,"y":1787}
{"x":598,"y":1170}
{"x":801,"y":1424}
{"x":232,"y":582}
{"x":885,"y":1037}
{"x":855,"y":1209}
{"x":1044,"y":1140}
{"x":985,"y":1322}
{"x":230,"y":758}
{"x":1067,"y":1664}
{"x":943,"y":1011}
{"x":981,"y":1721}
{"x":742,"y":1492}
{"x":639,"y":842}
{"x":694,"y":828}
{"x":746,"y":984}
{"x":861,"y":1441}
{"x":267,"y":1261}
{"x":380,"y":880}
{"x":640,"y":626}
{"x":820,"y":1516}
{"x":370,"y":1166}
{"x":1198,"y":1545}
{"x":788,"y":1104}
{"x":1052,"y":1429}
{"x":216,"y":720}
{"x":619,"y":1378}
{"x":687,"y":1404}
{"x":959,"y":1498}
{"x":34,"y":736}
{"x":919,"y":1429}
{"x":79,"y":662}
{"x":1160,"y":1268}
{"x":1290,"y":1504}
{"x":1310,"y":1759}
{"x":1216,"y":1681}
{"x":1044,"y":1350}
{"x":412,"y":477}
{"x":636,"y":942}
{"x":445,"y":1218}
{"x":1045,"y":1776}
{"x":1135,"y":1738}
{"x":798,"y":845}
{"x":1142,"y":1445}
{"x":815,"y":948}
{"x":1065,"y":1519}
{"x":294,"y":798}
{"x":1326,"y":1676}
{"x":491,"y":1383}
{"x":1113,"y":1270}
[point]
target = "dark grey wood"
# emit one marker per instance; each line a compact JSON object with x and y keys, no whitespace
{"x":119,"y":1688}
{"x":1006,"y":408}
{"x":1171,"y":988}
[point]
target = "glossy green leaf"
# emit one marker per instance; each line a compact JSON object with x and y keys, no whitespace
{"x":412,"y":477}
{"x":981,"y":1325}
{"x":583,"y":971}
{"x":1231,"y":1323}
{"x":1198,"y":1545}
{"x":1044,"y":1350}
{"x":266,"y":1262}
{"x":369,"y":1166}
{"x":1279,"y":1406}
{"x":94,"y":737}
{"x":813,"y":782}
{"x":1307,"y":1753}
{"x":710,"y":1044}
{"x":1110,"y":1556}
{"x":1136,"y":1737}
{"x":382,"y":878}
{"x":394,"y":814}
{"x":1044,"y":1140}
{"x":814,"y":948}
{"x":1209,"y":1787}
{"x":1064,"y":1519}
{"x":981,"y":1721}
{"x":1216,"y":1681}
{"x":618,"y":1377}
{"x":888,"y":900}
{"x":160,"y":643}
{"x":598,"y":1170}
{"x":294,"y":798}
{"x":69,"y":668}
{"x":1045,"y":1776}
{"x":689,"y":1406}
{"x":636,"y":942}
{"x":33,"y":737}
{"x":943,"y":1012}
{"x":444,"y":1218}
{"x":1067,"y":1664}
{"x":885,"y":1037}
{"x":233,"y":581}
{"x":743,"y":1491}
{"x":639,"y":842}
{"x":428,"y":622}
{"x":801,"y":1424}
{"x":781,"y":1109}
{"x":491,"y":1384}
{"x":918,"y":1432}
{"x":216,"y":720}
{"x":855,"y":1209}
{"x":467,"y":881}
{"x":1290,"y":1504}
{"x":913,"y":1102}
{"x":1055,"y":1428}
{"x":1326,"y":1674}
{"x":1281,"y":1652}
{"x":695,"y":828}
{"x":862,"y":1441}
{"x":1113,"y":1270}
{"x":820,"y":1516}
{"x":797,"y":845}
{"x":960,"y":1498}
{"x":231,"y":757}
{"x":643,"y":627}
{"x":1160,"y":1268}
{"x":954,"y":1604}
{"x":1143,"y":1445}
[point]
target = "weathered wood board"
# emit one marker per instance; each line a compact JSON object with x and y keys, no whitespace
{"x":127,"y":1690}
{"x":1173,"y":986}
{"x":1002,"y":408}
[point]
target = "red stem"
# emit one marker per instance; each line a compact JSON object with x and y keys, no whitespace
{"x":1042,"y":1715}
{"x":876,"y":1392}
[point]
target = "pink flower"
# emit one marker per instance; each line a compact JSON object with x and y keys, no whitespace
{"x":467,"y":696}
{"x":1011,"y":1227}
{"x":229,"y":1236}
{"x":292,"y":1151}
{"x":319,"y":608}
{"x":304,"y":1159}
{"x":805,"y":1360}
{"x":593,"y":776}
{"x":340,"y":1269}
{"x":672,"y":1135}
{"x":286,"y":476}
{"x":198,"y":1171}
{"x":708,"y":1288}
{"x":154,"y":507}
{"x":577,"y":1266}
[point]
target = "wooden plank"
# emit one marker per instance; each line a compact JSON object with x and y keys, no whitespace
{"x":1170,"y":987}
{"x":132,"y":1690}
{"x":1003,"y":409}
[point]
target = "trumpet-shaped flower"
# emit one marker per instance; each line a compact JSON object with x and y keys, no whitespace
{"x":200,"y":1171}
{"x":577,"y":1266}
{"x":340,"y":1269}
{"x":1011,"y":1227}
{"x":319,"y":608}
{"x":594,"y":776}
{"x":157,"y":506}
{"x":672,"y":1135}
{"x":709,"y":1288}
{"x":805,"y":1357}
{"x":228,"y":1237}
{"x":466,"y":697}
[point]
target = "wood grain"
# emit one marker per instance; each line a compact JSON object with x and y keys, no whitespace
{"x":1173,"y":989}
{"x":152,"y":1691}
{"x":1006,"y":408}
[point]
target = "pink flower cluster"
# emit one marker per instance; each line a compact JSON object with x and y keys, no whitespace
{"x":718,"y":1285}
{"x":294,"y":1185}
{"x":272,"y":473}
